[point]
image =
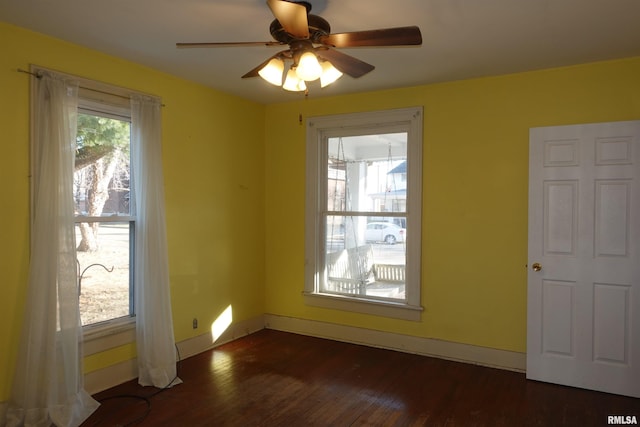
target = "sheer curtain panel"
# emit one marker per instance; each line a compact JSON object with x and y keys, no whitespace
{"x":48,"y":386}
{"x":154,"y":325}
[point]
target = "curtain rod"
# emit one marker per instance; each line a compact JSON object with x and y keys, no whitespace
{"x":39,"y":76}
{"x":20,"y":70}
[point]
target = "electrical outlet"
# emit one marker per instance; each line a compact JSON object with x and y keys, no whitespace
{"x":195,"y":323}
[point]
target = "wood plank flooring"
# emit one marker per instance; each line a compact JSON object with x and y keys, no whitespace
{"x":273,"y":378}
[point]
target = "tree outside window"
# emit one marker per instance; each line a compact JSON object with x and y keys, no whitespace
{"x":104,"y":224}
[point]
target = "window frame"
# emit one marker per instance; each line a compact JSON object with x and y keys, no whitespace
{"x":319,"y":129}
{"x":93,"y":94}
{"x":108,"y":105}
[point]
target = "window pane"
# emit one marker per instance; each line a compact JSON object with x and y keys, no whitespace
{"x":101,"y":178}
{"x":365,"y":258}
{"x":101,"y":190}
{"x":104,"y":274}
{"x":367,"y":173}
{"x":364,"y":189}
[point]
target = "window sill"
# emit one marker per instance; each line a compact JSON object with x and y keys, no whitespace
{"x":107,"y":335}
{"x":374,"y":307}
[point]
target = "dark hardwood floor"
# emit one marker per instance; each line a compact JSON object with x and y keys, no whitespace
{"x":274,"y":378}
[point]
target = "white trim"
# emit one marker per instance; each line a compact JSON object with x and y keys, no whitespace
{"x":318,"y":128}
{"x":111,"y":334}
{"x":127,"y":370}
{"x":484,"y":356}
{"x":366,"y":306}
{"x":111,"y":376}
{"x":112,"y":218}
{"x":198,"y":344}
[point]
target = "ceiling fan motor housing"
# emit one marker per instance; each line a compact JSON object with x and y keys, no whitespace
{"x":318,"y":27}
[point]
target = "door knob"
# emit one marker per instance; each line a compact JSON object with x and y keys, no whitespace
{"x":536,"y":266}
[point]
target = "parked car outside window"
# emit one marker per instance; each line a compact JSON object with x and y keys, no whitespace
{"x":386,"y":232}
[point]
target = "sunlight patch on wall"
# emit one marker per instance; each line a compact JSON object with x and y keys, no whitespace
{"x":220,"y":325}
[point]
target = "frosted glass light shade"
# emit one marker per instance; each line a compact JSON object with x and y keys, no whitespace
{"x":309,"y":68}
{"x":329,"y":74}
{"x":272,"y":72}
{"x":293,"y":82}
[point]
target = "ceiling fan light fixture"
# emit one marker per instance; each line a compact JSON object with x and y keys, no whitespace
{"x":294,"y":83}
{"x":307,"y":34}
{"x":309,"y":68}
{"x":329,"y":74}
{"x":272,"y":72}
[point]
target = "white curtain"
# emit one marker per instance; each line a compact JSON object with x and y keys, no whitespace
{"x":154,"y":324}
{"x":48,"y":381}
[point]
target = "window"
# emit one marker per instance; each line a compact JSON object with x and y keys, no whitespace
{"x":108,"y":180}
{"x":363,"y":212}
{"x":104,"y":222}
{"x":105,"y":225}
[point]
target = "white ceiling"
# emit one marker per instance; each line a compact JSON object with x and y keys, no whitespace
{"x":461,"y":38}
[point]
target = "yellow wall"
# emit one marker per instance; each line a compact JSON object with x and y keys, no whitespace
{"x":213,"y":148}
{"x":474,"y":193}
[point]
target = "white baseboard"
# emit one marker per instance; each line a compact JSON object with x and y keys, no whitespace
{"x":502,"y":359}
{"x":122,"y":372}
{"x":119,"y":373}
{"x":110,"y":376}
{"x":198,"y":344}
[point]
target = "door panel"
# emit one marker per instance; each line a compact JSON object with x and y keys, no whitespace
{"x":613,"y":212}
{"x":558,"y":313}
{"x":584,"y":230}
{"x":560,"y":217}
{"x":611,"y":323}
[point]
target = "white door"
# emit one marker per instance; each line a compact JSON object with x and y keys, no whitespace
{"x":583,"y":320}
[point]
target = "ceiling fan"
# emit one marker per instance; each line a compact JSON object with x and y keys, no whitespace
{"x":312,"y":47}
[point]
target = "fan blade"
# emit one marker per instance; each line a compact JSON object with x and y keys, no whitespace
{"x":345,"y":63}
{"x":292,"y":17}
{"x":227,"y":44}
{"x":254,"y":72}
{"x":399,"y":36}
